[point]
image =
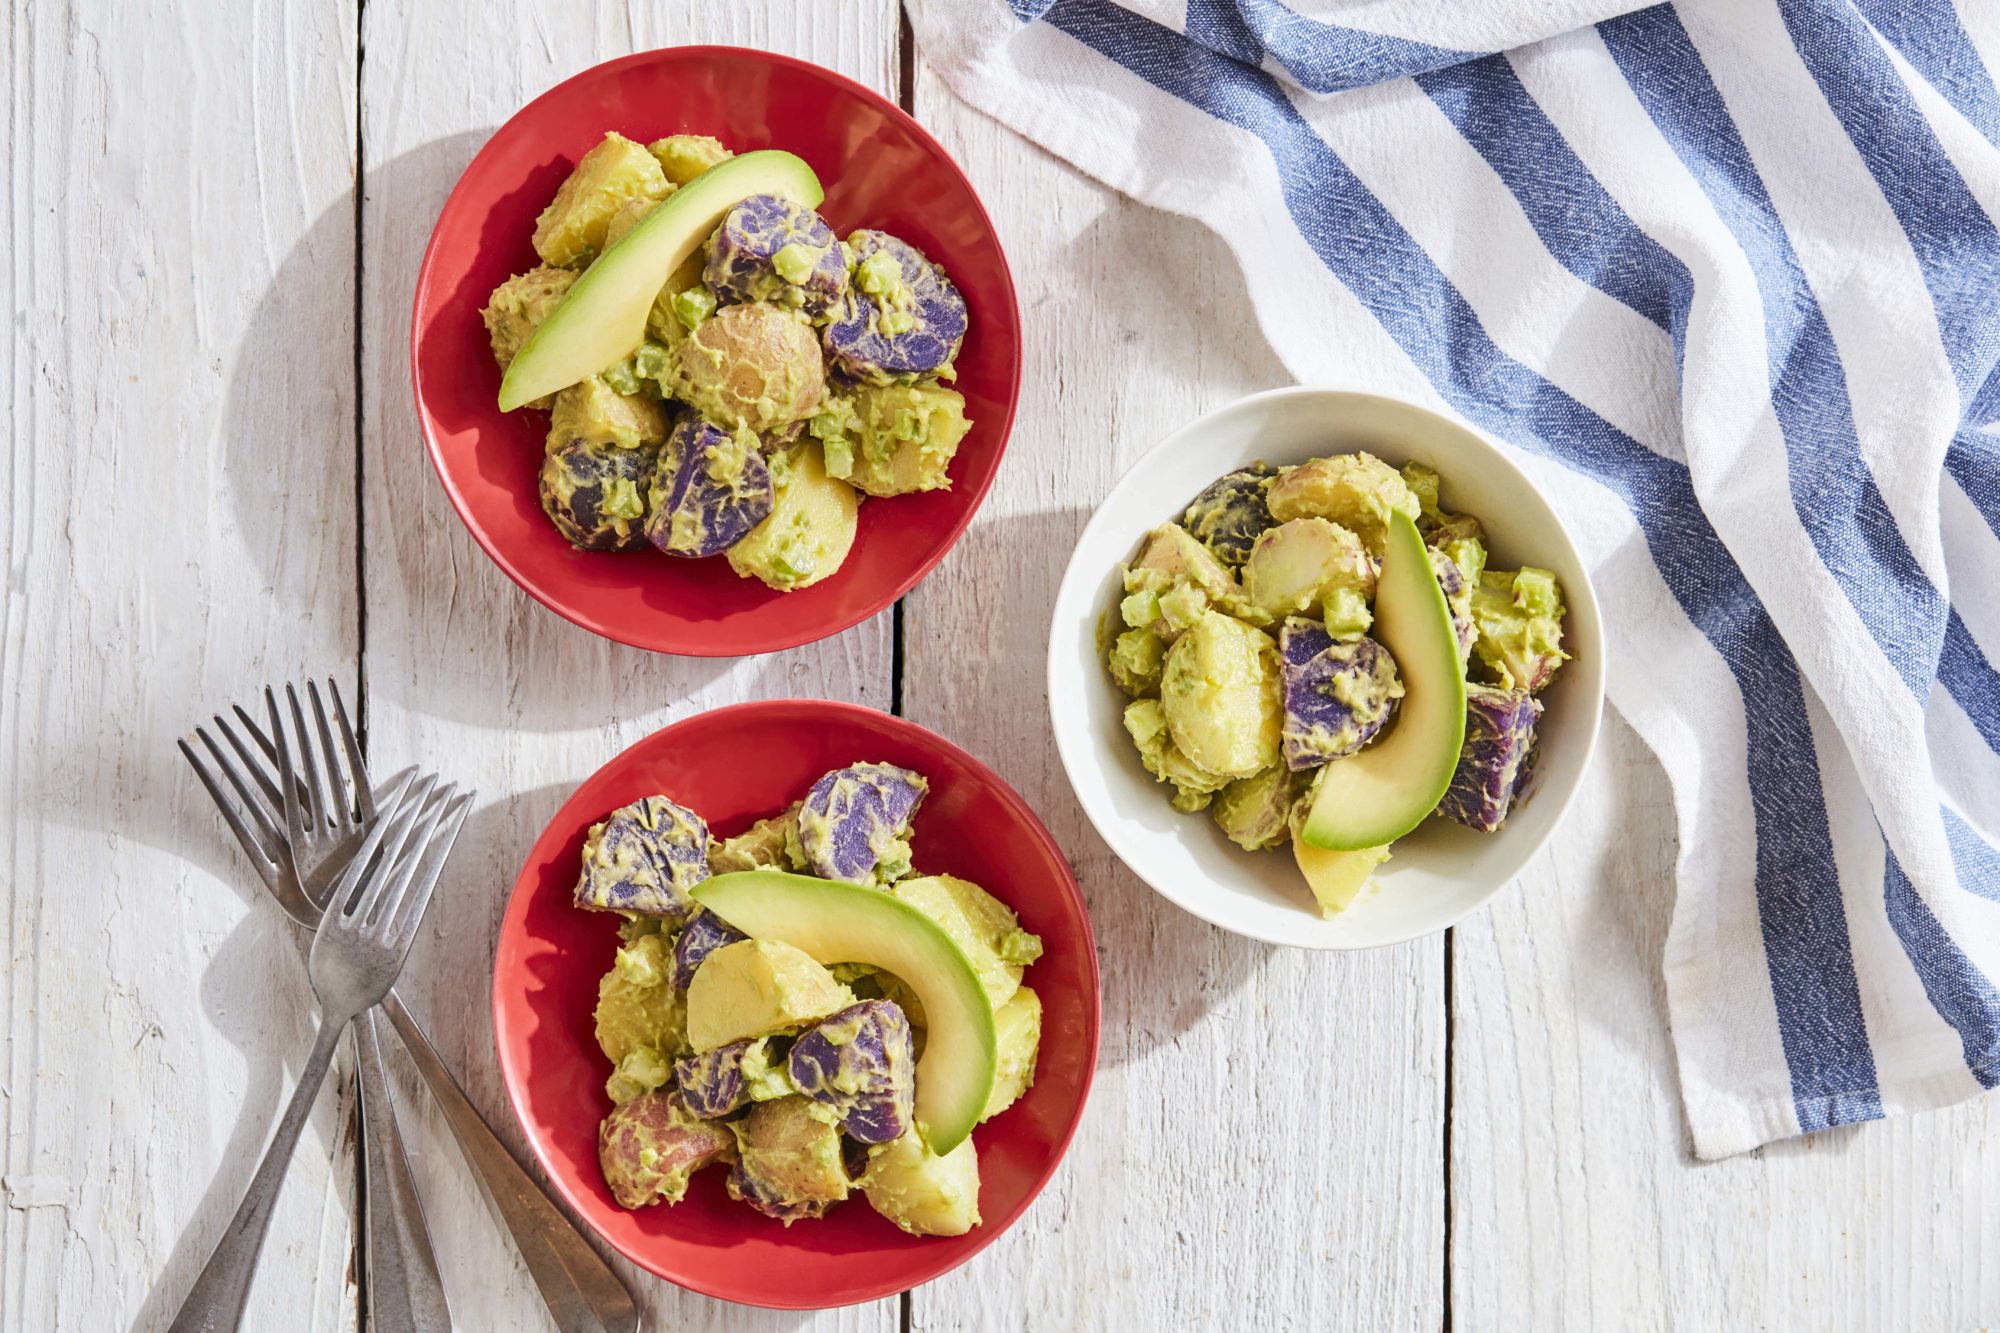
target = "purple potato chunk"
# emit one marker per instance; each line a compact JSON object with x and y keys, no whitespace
{"x":860,"y":1062}
{"x":711,"y":487}
{"x":701,"y":937}
{"x":643,"y":859}
{"x":1338,"y":693}
{"x":712,"y":1081}
{"x":649,"y":1146}
{"x":855,"y":822}
{"x":596,"y":494}
{"x":902,"y":316}
{"x":771,"y":249}
{"x":1228,"y":515}
{"x":725,"y":1080}
{"x":1494,"y":764}
{"x":1457,"y":598}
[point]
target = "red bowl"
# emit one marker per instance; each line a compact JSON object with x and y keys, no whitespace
{"x":879,"y":168}
{"x":735,"y":765}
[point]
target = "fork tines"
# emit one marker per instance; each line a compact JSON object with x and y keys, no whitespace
{"x":258,"y":836}
{"x":386,"y":886}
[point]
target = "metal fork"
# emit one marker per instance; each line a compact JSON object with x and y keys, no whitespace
{"x":582,"y":1292}
{"x":370,"y":922}
{"x":404,"y":1290}
{"x":319,"y":814}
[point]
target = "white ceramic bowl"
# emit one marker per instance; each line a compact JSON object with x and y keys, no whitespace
{"x":1439,"y":873}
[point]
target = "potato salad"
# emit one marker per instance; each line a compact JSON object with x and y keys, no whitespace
{"x":1275,"y":642}
{"x":801,"y":1006}
{"x":778,"y":377}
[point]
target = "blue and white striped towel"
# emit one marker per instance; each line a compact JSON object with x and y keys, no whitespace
{"x":1725,"y":274}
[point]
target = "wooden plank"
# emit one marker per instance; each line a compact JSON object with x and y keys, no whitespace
{"x":463,"y":670}
{"x":1575,"y":1201}
{"x":1263,"y":1145}
{"x":178,"y":529}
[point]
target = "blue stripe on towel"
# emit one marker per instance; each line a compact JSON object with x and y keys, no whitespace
{"x":1962,"y":995}
{"x":1590,"y":235}
{"x":1974,"y":463}
{"x":1964,"y":670}
{"x":1321,"y":57}
{"x":1957,"y":248}
{"x":1807,"y":950}
{"x":1581,"y":224}
{"x":1834,"y":495}
{"x":1977,"y":861}
{"x":1928,"y":34}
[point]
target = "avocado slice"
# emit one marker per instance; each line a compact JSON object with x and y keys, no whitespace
{"x":1375,"y":797}
{"x":603,"y":316}
{"x":833,"y":922}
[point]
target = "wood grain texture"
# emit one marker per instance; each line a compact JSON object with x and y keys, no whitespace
{"x":1576,"y":1202}
{"x":179,"y":528}
{"x":463,"y":669}
{"x":1266,"y":1145}
{"x":1263,"y":1147}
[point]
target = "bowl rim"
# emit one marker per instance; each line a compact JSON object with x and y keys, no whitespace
{"x":512,"y":1079}
{"x":1077,"y":578}
{"x":701,"y":646}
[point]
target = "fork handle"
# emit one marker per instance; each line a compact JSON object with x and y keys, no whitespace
{"x":581,"y":1290}
{"x":215,"y":1305}
{"x":405,"y":1293}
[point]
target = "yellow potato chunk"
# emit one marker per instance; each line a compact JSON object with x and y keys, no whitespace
{"x":985,"y":928}
{"x":1358,"y":491}
{"x":594,"y":412}
{"x":752,"y":365}
{"x":636,"y":1008}
{"x":894,"y":439}
{"x":1017,"y":1031}
{"x":1254,"y":813}
{"x":811,"y":527}
{"x":924,"y":1194}
{"x":1337,"y":878}
{"x":571,"y":230}
{"x":1295,"y":565}
{"x":791,"y":1161}
{"x":765,"y":844}
{"x":753,"y":988}
{"x":628,"y":216}
{"x":517,"y":308}
{"x":684,"y":156}
{"x":1194,"y":787}
{"x":1221,"y":696}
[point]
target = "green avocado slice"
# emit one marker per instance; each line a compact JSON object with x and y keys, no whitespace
{"x":603,"y":315}
{"x":1373,"y":798}
{"x":833,"y":922}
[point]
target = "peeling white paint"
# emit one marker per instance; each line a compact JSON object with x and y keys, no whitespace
{"x":26,"y":1192}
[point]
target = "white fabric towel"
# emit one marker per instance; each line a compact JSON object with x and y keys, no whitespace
{"x":1725,"y":276}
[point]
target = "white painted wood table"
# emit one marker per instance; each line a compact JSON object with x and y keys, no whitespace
{"x":215,"y":213}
